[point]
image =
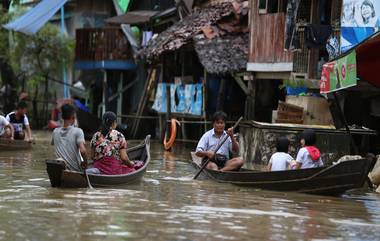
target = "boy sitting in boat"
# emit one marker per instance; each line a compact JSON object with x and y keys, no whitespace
{"x":6,"y":129}
{"x":280,"y":160}
{"x":210,"y":140}
{"x":69,"y":141}
{"x":19,"y":121}
{"x":308,"y":156}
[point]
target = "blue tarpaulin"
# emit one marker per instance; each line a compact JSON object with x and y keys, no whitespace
{"x":35,"y":18}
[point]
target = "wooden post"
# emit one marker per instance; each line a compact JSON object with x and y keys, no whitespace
{"x":161,"y":125}
{"x":204,"y":87}
{"x":313,"y":52}
{"x":104,"y":103}
{"x":250,"y":99}
{"x":183,"y":129}
{"x":143,"y":99}
{"x":167,"y":116}
{"x":162,"y":121}
{"x":341,"y":114}
{"x":168,"y":104}
{"x":221,"y":92}
{"x":120,"y":98}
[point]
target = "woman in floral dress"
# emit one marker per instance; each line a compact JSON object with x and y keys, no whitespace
{"x":109,"y":149}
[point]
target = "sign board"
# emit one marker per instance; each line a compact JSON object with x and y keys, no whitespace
{"x":359,"y":20}
{"x":339,"y":74}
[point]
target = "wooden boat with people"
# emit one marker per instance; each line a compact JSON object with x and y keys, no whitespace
{"x":60,"y":176}
{"x":14,"y":145}
{"x":329,"y":180}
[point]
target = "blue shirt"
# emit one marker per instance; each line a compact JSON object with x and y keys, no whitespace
{"x":209,"y":141}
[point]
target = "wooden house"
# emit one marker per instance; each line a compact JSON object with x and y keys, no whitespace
{"x":209,"y":47}
{"x":270,"y":58}
{"x":108,"y":61}
{"x":288,"y":46}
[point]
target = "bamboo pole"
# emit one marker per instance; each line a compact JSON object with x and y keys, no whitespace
{"x":204,"y":83}
{"x":147,"y":87}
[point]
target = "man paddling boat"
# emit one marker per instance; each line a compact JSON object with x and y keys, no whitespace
{"x":210,"y":140}
{"x":69,"y":141}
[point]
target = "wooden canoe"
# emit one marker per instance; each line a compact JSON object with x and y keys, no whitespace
{"x":12,"y":145}
{"x":61,"y":177}
{"x":329,"y":180}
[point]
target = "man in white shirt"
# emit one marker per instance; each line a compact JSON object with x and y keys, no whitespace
{"x":210,"y":140}
{"x":6,"y":129}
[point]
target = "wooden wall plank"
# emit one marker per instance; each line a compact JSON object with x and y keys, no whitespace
{"x":267,"y":37}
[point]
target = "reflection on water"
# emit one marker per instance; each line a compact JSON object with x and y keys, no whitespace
{"x":169,"y":205}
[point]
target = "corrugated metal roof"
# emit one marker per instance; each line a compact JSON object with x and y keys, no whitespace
{"x":36,"y":17}
{"x":133,"y":17}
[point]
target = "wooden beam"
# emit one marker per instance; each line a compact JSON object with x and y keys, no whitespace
{"x":221,"y":95}
{"x":249,"y":112}
{"x":111,"y":98}
{"x":343,"y":119}
{"x":270,"y":67}
{"x":240,"y":82}
{"x":104,"y":99}
{"x":143,"y":99}
{"x":273,"y":75}
{"x":204,"y":86}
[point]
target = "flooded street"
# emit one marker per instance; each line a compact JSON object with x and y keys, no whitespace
{"x":169,"y":205}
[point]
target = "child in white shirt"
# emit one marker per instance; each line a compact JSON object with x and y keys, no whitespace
{"x":280,"y":160}
{"x":6,"y":129}
{"x":309,"y":156}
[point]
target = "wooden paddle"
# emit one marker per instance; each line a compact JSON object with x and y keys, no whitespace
{"x":87,"y":179}
{"x":86,"y":175}
{"x":206,"y":159}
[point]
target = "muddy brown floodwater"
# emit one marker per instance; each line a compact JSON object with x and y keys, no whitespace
{"x":169,"y":205}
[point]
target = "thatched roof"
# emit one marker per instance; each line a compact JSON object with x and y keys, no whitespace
{"x":183,"y":31}
{"x":224,"y":54}
{"x":216,"y":30}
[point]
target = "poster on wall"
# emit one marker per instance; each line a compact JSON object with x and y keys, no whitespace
{"x":359,"y":20}
{"x":339,"y":74}
{"x":184,"y":99}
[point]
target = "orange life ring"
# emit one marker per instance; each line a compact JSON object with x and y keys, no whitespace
{"x":173,"y":134}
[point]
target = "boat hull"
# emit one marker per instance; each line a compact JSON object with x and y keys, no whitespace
{"x":12,"y":145}
{"x":61,"y":177}
{"x":330,"y":180}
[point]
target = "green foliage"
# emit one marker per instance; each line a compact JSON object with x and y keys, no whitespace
{"x":4,"y":34}
{"x":293,"y":83}
{"x":43,"y":54}
{"x":36,"y":58}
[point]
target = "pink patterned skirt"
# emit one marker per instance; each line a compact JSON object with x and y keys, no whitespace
{"x":113,"y":166}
